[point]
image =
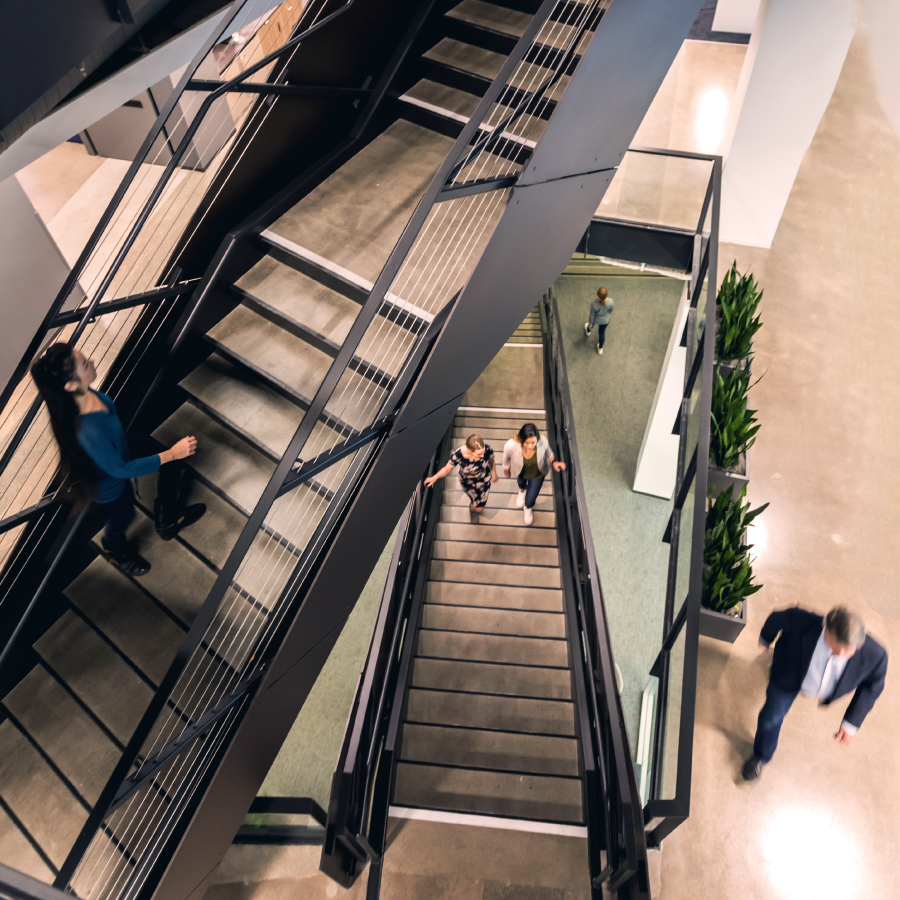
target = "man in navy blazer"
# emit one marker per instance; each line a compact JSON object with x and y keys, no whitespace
{"x":822,"y":658}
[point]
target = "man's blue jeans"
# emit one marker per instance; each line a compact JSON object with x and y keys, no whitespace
{"x":532,"y":487}
{"x":768,"y":726}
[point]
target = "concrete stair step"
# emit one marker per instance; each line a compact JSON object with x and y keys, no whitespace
{"x":469,"y":422}
{"x":16,"y":851}
{"x":214,"y":536}
{"x":64,"y":731}
{"x":466,"y":57}
{"x":34,"y":793}
{"x":96,"y":674}
{"x":503,"y":486}
{"x":237,"y":470}
{"x":498,"y":534}
{"x":494,"y":573}
{"x":354,"y":218}
{"x":493,"y":621}
{"x":487,"y":15}
{"x":513,"y":554}
{"x":495,"y":436}
{"x":223,"y":459}
{"x":501,"y":499}
{"x":494,"y":596}
{"x":519,"y":338}
{"x":435,"y":707}
{"x":455,"y":101}
{"x":474,"y":749}
{"x":489,"y":793}
{"x":487,"y":64}
{"x":490,"y":678}
{"x":294,"y":363}
{"x":486,"y":412}
{"x":493,"y":648}
{"x":182,"y":582}
{"x":511,"y":22}
{"x":131,"y":620}
{"x":515,"y":517}
{"x":325,"y":312}
{"x":245,"y":402}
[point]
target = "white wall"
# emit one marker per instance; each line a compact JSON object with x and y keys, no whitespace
{"x":881,"y":26}
{"x":793,"y":63}
{"x":735,"y":15}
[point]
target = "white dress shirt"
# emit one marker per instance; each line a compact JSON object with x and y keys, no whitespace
{"x":825,"y":669}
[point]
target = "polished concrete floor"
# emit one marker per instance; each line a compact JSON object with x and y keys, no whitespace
{"x":824,"y":820}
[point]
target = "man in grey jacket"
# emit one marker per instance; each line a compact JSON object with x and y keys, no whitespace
{"x":599,"y":315}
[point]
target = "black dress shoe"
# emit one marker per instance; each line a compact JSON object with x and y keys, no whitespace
{"x":127,"y":560}
{"x":168,"y":524}
{"x":752,"y":768}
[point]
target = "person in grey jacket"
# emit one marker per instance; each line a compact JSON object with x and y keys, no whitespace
{"x":599,"y":315}
{"x":527,"y":457}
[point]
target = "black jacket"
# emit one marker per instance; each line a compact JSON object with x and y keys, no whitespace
{"x":799,"y":632}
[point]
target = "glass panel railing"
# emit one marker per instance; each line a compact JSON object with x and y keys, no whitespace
{"x":670,"y":744}
{"x":655,"y":189}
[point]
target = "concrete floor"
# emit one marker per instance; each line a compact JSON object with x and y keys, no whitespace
{"x":823,"y":819}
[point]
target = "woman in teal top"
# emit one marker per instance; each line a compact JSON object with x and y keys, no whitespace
{"x":100,"y":460}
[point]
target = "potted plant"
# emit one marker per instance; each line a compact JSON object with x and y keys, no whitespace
{"x":737,"y":319}
{"x":727,"y":568}
{"x":733,"y":429}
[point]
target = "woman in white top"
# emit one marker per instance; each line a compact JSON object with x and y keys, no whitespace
{"x":527,"y":457}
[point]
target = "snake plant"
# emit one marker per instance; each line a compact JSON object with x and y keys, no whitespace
{"x":733,"y":425}
{"x":727,"y":568}
{"x":738,"y":301}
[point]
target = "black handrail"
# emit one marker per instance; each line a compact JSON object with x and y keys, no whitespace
{"x":357,"y":811}
{"x":615,"y":804}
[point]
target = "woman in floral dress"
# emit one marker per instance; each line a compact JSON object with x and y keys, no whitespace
{"x":477,"y":472}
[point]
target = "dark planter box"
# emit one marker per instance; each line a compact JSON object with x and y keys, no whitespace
{"x":722,"y":479}
{"x":721,"y":626}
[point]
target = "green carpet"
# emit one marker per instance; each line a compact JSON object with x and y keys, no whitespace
{"x":306,"y":761}
{"x":611,"y":398}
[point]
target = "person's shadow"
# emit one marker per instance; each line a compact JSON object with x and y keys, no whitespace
{"x":731,"y":676}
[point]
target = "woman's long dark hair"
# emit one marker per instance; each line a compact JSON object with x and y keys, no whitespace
{"x":51,"y":372}
{"x":528,"y":430}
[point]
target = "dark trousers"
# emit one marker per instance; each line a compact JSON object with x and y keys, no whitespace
{"x":532,"y":487}
{"x":768,"y":726}
{"x":601,"y":334}
{"x":119,"y":513}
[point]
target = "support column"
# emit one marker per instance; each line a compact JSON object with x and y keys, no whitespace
{"x":735,"y":16}
{"x":793,"y":63}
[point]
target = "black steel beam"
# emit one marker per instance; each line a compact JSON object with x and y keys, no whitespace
{"x":110,"y":306}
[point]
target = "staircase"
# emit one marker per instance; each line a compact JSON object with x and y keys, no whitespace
{"x":490,"y":725}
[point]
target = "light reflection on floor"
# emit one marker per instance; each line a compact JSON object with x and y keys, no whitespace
{"x":810,"y":855}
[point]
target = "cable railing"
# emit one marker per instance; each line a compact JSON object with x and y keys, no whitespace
{"x":225,"y":656}
{"x":616,"y":844}
{"x":128,"y":269}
